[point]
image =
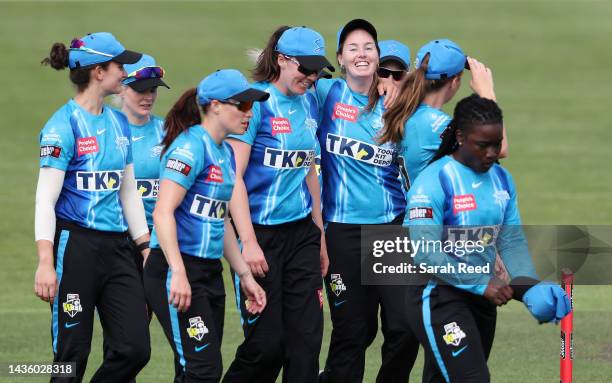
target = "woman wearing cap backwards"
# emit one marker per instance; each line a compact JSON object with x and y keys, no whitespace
{"x":394,"y":62}
{"x":361,"y":185}
{"x":86,"y":200}
{"x":277,"y":213}
{"x":183,"y":275}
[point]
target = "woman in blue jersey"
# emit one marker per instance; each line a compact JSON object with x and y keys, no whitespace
{"x":138,"y":98}
{"x":463,"y":197}
{"x":183,"y":275}
{"x":86,"y":201}
{"x":277,"y":213}
{"x":416,"y":121}
{"x":394,"y":62}
{"x":361,"y":186}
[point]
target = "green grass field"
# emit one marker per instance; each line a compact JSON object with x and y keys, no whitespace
{"x":551,"y":62}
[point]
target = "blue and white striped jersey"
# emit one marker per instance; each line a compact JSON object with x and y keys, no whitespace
{"x":282,"y":135}
{"x":146,"y":148}
{"x":93,"y":150}
{"x":207,"y":171}
{"x":450,"y":202}
{"x":360,"y":176}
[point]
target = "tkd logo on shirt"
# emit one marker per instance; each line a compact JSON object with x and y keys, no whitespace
{"x":147,"y":188}
{"x":99,"y":181}
{"x":288,"y":159}
{"x":361,"y":151}
{"x":487,"y":235}
{"x":205,"y":207}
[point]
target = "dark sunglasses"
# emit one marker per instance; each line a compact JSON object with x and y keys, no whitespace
{"x":243,"y":106}
{"x":396,"y":74}
{"x":301,"y":69}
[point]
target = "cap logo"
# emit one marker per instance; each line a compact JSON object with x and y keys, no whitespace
{"x":318,"y":43}
{"x":77,"y":43}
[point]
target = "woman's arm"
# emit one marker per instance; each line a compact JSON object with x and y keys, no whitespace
{"x":133,"y":209}
{"x":50,"y":182}
{"x":241,"y":213}
{"x":312,"y":181}
{"x":169,"y":198}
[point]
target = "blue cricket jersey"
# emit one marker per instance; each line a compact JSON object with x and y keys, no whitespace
{"x":146,"y":148}
{"x":206,"y":171}
{"x":282,"y":135}
{"x":93,"y":150}
{"x":422,"y":138}
{"x":361,"y":182}
{"x":450,"y":202}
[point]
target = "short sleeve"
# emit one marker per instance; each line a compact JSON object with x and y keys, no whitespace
{"x":56,"y":144}
{"x":183,"y":162}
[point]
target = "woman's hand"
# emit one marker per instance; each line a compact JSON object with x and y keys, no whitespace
{"x":45,"y":281}
{"x":254,"y":257}
{"x":180,"y":291}
{"x":256,"y":296}
{"x":498,"y":291}
{"x":482,"y":79}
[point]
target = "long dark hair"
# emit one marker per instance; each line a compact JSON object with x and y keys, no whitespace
{"x":412,"y":93}
{"x":58,"y":60}
{"x":470,"y":112}
{"x":266,"y":68}
{"x":184,"y":113}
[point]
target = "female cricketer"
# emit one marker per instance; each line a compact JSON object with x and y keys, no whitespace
{"x":465,"y":196}
{"x":416,"y":121}
{"x":361,"y":185}
{"x":394,"y":62}
{"x":277,"y":213}
{"x":138,"y":98}
{"x":86,"y":200}
{"x":183,"y":275}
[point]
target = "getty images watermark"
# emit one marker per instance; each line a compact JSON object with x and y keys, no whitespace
{"x":393,"y":255}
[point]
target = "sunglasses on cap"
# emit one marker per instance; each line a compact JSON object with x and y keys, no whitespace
{"x":148,"y":72}
{"x":385,"y":73}
{"x":79,"y":45}
{"x":243,"y":106}
{"x":301,"y":69}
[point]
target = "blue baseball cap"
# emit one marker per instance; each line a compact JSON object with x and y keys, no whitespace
{"x":446,"y":59}
{"x":391,"y":50}
{"x":97,"y":48}
{"x":226,"y":84}
{"x":306,"y":45}
{"x":153,"y":77}
{"x":354,"y":25}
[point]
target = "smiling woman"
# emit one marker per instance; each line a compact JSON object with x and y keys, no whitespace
{"x":277,"y":213}
{"x":86,"y":200}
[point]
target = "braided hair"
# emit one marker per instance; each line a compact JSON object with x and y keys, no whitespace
{"x":469,"y":112}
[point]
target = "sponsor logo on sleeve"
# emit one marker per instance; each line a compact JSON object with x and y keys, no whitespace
{"x":87,"y":145}
{"x":345,"y":112}
{"x":421,"y":213}
{"x":420,"y":198}
{"x":178,"y":166}
{"x":464,"y":202}
{"x":99,"y":181}
{"x":208,"y":208}
{"x":288,"y":159}
{"x":501,"y":196}
{"x":214,"y":174}
{"x":147,"y":188}
{"x":280,"y":125}
{"x":358,"y":150}
{"x":50,"y":151}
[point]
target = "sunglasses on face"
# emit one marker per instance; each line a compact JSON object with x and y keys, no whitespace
{"x":148,"y":72}
{"x":396,"y":74}
{"x":243,"y":106}
{"x":301,"y":69}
